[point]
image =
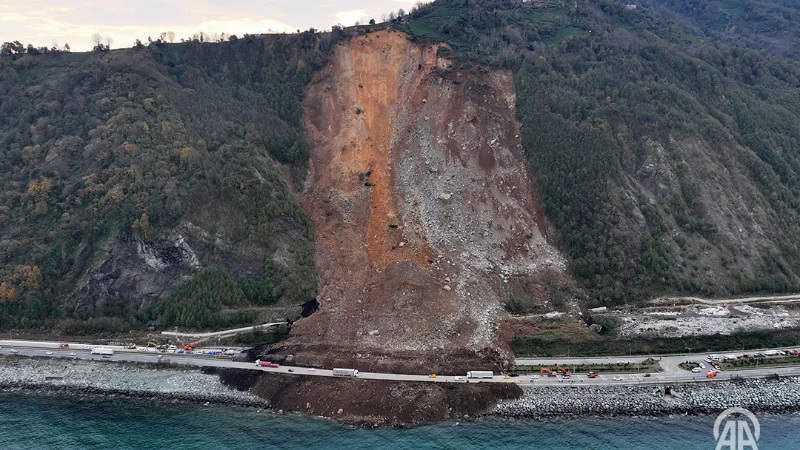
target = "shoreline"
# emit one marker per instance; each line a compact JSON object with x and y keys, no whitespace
{"x":279,"y":394}
{"x":82,"y":378}
{"x":758,"y":395}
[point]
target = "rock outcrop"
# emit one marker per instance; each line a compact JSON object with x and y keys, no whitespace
{"x":425,"y":215}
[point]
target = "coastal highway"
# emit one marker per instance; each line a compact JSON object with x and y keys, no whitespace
{"x":41,"y":349}
{"x":669,"y":363}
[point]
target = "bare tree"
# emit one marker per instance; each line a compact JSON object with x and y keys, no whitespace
{"x":66,"y":48}
{"x":96,"y":39}
{"x":170,"y":36}
{"x":109,"y":41}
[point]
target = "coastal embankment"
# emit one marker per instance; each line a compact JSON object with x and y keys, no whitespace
{"x":380,"y":403}
{"x":93,"y":378}
{"x":765,"y":394}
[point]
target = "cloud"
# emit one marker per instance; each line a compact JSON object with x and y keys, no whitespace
{"x":350,"y":17}
{"x":40,"y":22}
{"x":41,"y":30}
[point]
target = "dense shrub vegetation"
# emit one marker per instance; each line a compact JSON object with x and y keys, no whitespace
{"x":599,"y":87}
{"x":142,"y":140}
{"x":542,"y":346}
{"x":631,"y":124}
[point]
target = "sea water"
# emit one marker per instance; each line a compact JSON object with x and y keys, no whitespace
{"x":52,"y":422}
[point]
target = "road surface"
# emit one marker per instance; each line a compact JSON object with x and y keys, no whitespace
{"x":40,"y":349}
{"x":790,"y":298}
{"x":669,"y":363}
{"x":221,"y":333}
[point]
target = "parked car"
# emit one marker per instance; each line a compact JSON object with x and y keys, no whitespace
{"x":696,"y":370}
{"x":702,"y":366}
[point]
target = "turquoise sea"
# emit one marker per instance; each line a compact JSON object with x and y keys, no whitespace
{"x":49,"y":422}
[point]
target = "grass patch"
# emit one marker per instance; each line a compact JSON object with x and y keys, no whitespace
{"x":650,"y":367}
{"x":562,"y":34}
{"x":545,"y":345}
{"x":760,"y":362}
{"x":429,"y":26}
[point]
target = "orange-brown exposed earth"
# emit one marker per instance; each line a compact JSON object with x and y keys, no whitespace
{"x":424,"y":212}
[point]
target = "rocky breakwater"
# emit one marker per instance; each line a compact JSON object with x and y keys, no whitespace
{"x":774,"y":395}
{"x":91,"y":378}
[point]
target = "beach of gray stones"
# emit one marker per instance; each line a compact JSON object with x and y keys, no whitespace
{"x":167,"y":383}
{"x":772,"y":395}
{"x":91,"y":378}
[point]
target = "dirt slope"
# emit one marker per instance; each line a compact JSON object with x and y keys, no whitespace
{"x":370,"y":402}
{"x":421,"y":202}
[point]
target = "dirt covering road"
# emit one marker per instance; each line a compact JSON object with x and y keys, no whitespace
{"x":425,"y":215}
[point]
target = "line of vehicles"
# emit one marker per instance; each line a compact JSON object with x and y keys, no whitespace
{"x":564,"y":372}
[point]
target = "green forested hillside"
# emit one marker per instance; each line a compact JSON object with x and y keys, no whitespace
{"x":168,"y":151}
{"x":769,"y":25}
{"x":667,"y":162}
{"x":148,"y":186}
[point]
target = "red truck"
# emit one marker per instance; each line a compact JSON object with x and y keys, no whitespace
{"x":63,"y":345}
{"x":265,"y":363}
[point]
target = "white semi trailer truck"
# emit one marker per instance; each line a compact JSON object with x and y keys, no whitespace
{"x":345,"y":372}
{"x":480,"y":374}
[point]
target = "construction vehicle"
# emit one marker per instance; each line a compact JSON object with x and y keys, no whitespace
{"x":545,"y":370}
{"x":189,"y":347}
{"x":564,"y":372}
{"x":711,"y":374}
{"x":592,"y":375}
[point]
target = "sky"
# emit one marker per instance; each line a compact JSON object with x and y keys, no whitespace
{"x":54,"y":22}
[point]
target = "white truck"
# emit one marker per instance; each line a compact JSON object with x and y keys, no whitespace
{"x":480,"y":374}
{"x":345,"y":373}
{"x":105,"y":352}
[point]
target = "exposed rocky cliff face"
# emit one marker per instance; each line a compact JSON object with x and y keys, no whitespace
{"x":421,"y":202}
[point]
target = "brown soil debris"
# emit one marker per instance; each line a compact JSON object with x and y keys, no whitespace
{"x":371,"y":402}
{"x":421,"y":202}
